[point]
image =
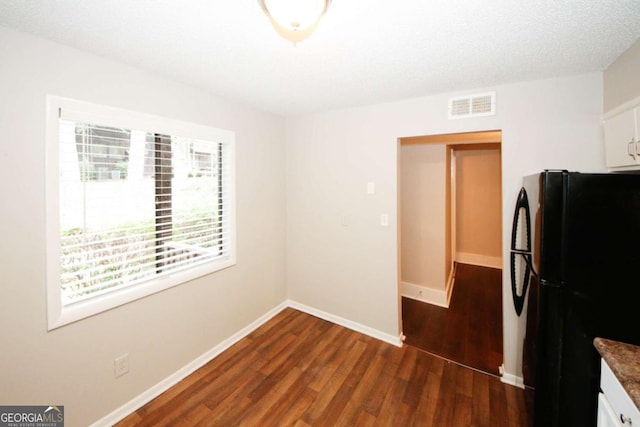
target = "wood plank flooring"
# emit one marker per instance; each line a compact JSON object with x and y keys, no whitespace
{"x":470,"y":330}
{"x":298,"y":370}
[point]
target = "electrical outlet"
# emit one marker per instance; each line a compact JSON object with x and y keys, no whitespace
{"x":121,"y":365}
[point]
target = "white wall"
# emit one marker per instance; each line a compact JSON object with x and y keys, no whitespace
{"x":478,"y":206}
{"x":423,"y":215}
{"x":73,"y":365}
{"x":621,"y":82}
{"x":353,"y":271}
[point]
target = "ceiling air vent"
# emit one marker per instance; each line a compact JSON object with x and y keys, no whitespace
{"x":483,"y":104}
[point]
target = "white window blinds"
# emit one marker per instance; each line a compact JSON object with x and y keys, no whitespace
{"x":137,"y":206}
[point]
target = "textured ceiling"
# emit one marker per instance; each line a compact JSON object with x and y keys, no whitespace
{"x":363,"y":52}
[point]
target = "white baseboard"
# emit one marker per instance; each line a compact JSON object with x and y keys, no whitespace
{"x":137,"y":402}
{"x":354,"y":326}
{"x":481,"y":260}
{"x":424,"y":294}
{"x":156,"y":390}
{"x":513,"y":380}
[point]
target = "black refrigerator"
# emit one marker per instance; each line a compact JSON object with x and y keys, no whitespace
{"x":575,"y":259}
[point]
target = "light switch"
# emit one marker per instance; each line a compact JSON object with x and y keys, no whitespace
{"x":344,"y":220}
{"x":384,"y":220}
{"x":371,"y":187}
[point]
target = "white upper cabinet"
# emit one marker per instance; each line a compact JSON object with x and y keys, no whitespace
{"x":622,"y":139}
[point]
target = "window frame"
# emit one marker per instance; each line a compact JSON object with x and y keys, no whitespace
{"x":57,"y":107}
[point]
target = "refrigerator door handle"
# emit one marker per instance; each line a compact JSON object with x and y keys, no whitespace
{"x":522,"y":204}
{"x":631,"y":148}
{"x":519,"y":295}
{"x":527,"y":259}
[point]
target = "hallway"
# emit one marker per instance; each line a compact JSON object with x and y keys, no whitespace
{"x":469,"y":332}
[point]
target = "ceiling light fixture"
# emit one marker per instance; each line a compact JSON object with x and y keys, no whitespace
{"x":294,"y":20}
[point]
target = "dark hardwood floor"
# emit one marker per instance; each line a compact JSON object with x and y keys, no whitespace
{"x":298,"y":370}
{"x":470,"y":330}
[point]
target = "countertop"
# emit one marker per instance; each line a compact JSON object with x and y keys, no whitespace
{"x":624,"y":361}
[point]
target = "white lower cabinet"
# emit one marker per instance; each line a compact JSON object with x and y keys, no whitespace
{"x":606,"y":416}
{"x":615,"y":407}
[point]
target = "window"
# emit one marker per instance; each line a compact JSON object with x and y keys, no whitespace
{"x":136,"y":204}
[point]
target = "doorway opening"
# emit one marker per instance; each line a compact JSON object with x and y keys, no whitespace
{"x":450,"y":252}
